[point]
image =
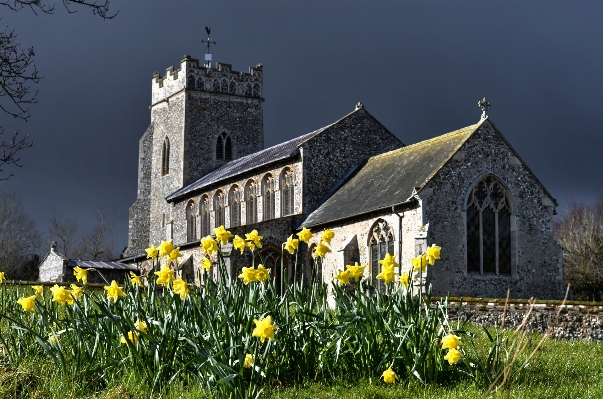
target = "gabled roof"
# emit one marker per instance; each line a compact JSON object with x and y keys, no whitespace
{"x":97,"y":264}
{"x":245,"y":164}
{"x":375,"y":186}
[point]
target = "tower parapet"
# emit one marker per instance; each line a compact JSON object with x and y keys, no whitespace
{"x":222,"y":79}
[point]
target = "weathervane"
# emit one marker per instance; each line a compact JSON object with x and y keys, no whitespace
{"x":484,"y":105}
{"x":209,"y":43}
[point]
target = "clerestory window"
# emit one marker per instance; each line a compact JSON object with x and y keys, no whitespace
{"x":205,"y":216}
{"x":269,"y":200}
{"x":488,"y":228}
{"x":220,"y":209}
{"x":287,"y":192}
{"x":191,"y":221}
{"x":235,"y":199}
{"x":251,"y":202}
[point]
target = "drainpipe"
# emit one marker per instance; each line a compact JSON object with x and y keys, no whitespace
{"x":399,"y":235}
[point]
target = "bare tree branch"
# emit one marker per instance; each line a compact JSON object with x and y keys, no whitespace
{"x":63,"y":230}
{"x":9,"y":151}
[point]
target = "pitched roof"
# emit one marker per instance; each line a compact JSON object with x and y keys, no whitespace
{"x":375,"y":187}
{"x":245,"y":164}
{"x":97,"y":264}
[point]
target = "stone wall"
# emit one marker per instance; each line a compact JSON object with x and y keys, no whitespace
{"x":51,"y":268}
{"x":536,"y":258}
{"x":572,"y":320}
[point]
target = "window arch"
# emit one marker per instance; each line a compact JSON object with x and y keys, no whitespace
{"x":224,"y":148}
{"x":205,"y":216}
{"x":191,"y":221}
{"x":251,"y":202}
{"x":488,"y":211}
{"x":272,"y":258}
{"x":268,"y":190}
{"x":165,"y":157}
{"x":235,"y":198}
{"x":220,"y":209}
{"x":381,"y":243}
{"x":287,"y":191}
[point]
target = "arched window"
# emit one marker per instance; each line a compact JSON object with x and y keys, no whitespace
{"x":272,"y":257}
{"x":315,"y":266}
{"x":224,"y":148}
{"x":165,"y":157}
{"x":205,"y":213}
{"x":488,"y":228}
{"x":381,"y":243}
{"x":268,"y":189}
{"x":191,"y":221}
{"x":251,"y":202}
{"x":220,"y":209}
{"x":287,"y":191}
{"x":235,"y":198}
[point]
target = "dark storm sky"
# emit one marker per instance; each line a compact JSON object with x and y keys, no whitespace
{"x":418,"y":67}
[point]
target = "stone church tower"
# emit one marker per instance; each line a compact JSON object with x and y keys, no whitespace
{"x":201,"y":117}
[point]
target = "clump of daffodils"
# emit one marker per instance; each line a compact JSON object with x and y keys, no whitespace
{"x":452,"y":343}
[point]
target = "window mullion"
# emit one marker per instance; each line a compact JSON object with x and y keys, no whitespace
{"x":496,"y":240}
{"x":481,"y":244}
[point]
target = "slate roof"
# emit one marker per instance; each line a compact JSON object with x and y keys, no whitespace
{"x":96,"y":264}
{"x":375,"y":187}
{"x":245,"y":164}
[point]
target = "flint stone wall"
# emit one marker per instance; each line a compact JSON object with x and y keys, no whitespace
{"x":572,"y":320}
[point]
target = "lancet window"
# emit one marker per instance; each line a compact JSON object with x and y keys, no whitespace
{"x":224,"y":148}
{"x":488,"y":211}
{"x":191,"y":221}
{"x":220,"y":209}
{"x":269,"y":189}
{"x":287,"y":192}
{"x":205,"y":216}
{"x":235,"y":198}
{"x":165,"y":157}
{"x":251,"y":202}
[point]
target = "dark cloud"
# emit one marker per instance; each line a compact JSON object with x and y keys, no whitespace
{"x":419,"y":67}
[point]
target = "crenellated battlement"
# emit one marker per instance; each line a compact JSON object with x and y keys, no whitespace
{"x":221,"y":79}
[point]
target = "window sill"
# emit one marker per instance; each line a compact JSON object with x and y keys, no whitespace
{"x":490,"y":276}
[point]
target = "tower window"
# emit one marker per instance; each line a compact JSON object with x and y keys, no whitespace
{"x":165,"y":157}
{"x":488,"y":228}
{"x":224,"y":148}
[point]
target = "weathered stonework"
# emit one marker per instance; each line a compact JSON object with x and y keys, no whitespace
{"x":51,"y":267}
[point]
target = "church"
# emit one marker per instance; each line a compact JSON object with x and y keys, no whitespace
{"x":202,"y":164}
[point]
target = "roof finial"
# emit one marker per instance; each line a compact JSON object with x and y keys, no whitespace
{"x":484,"y":105}
{"x":209,"y":43}
{"x":359,"y":105}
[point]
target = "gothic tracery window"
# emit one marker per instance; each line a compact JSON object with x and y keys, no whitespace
{"x":165,"y":157}
{"x":191,"y":221}
{"x":251,"y":202}
{"x":287,"y":192}
{"x":220,"y":209}
{"x":224,"y":148}
{"x":488,"y":228}
{"x":269,"y":188}
{"x":381,"y":243}
{"x":235,"y":199}
{"x":205,"y":216}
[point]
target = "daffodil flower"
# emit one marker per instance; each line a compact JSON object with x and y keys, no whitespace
{"x":222,"y":234}
{"x":248,"y":275}
{"x":321,"y":250}
{"x":1,"y":277}
{"x":165,"y":275}
{"x":356,"y":271}
{"x":248,"y":361}
{"x":135,"y":279}
{"x":292,"y":244}
{"x":264,"y":329}
{"x":152,"y":252}
{"x":420,"y":263}
{"x":453,"y":356}
{"x":389,"y":261}
{"x":165,"y":248}
{"x":114,"y":291}
{"x":81,"y":274}
{"x":327,"y":236}
{"x":387,"y":274}
{"x":27,"y":303}
{"x":255,"y":238}
{"x":60,"y":294}
{"x":261,"y":273}
{"x":433,"y":254}
{"x":450,"y":341}
{"x":209,"y":245}
{"x":305,"y":235}
{"x":389,"y":376}
{"x":206,"y":264}
{"x":174,"y":255}
{"x":38,"y":289}
{"x":180,"y":288}
{"x":239,"y":243}
{"x":343,"y":277}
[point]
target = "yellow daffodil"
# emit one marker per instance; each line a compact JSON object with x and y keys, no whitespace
{"x":27,"y":303}
{"x":209,"y":245}
{"x":356,"y":271}
{"x":81,"y":274}
{"x":405,"y":279}
{"x":453,"y":356}
{"x":321,"y":250}
{"x":264,"y":329}
{"x":60,"y":294}
{"x":255,"y":238}
{"x":433,"y":254}
{"x":248,"y":275}
{"x":248,"y":361}
{"x":420,"y":263}
{"x":174,"y":255}
{"x":261,"y":273}
{"x":76,"y":292}
{"x":152,"y":252}
{"x":165,"y":275}
{"x":450,"y":341}
{"x":180,"y":288}
{"x":166,"y":248}
{"x":38,"y":289}
{"x":305,"y":235}
{"x":239,"y":243}
{"x":141,"y":326}
{"x":135,"y":280}
{"x":388,"y":275}
{"x":343,"y":277}
{"x":389,"y":376}
{"x":389,"y":261}
{"x":206,"y":264}
{"x":222,"y":234}
{"x":114,"y":291}
{"x":132,"y":337}
{"x":327,"y":236}
{"x":1,"y":277}
{"x":291,"y":244}
{"x":52,"y":337}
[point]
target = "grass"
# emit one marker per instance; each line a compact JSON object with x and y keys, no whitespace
{"x":563,"y":369}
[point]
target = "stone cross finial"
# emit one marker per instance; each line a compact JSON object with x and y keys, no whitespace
{"x":359,"y":105}
{"x":484,"y":105}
